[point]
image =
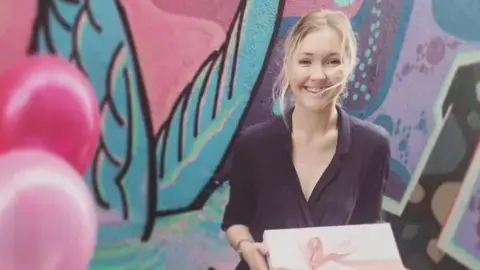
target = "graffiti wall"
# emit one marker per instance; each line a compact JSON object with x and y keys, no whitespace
{"x":178,"y":79}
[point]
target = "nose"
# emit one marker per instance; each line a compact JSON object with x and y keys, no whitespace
{"x":317,"y":73}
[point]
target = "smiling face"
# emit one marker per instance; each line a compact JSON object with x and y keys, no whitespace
{"x":316,"y":71}
{"x":320,"y":54}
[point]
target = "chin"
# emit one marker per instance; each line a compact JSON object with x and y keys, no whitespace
{"x":315,"y":106}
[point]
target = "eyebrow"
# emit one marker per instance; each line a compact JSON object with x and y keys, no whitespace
{"x":328,"y":55}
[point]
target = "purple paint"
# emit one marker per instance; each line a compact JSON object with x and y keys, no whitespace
{"x":435,"y":51}
{"x":467,"y":235}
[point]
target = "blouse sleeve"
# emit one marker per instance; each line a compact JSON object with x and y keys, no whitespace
{"x":239,"y":208}
{"x":369,"y":202}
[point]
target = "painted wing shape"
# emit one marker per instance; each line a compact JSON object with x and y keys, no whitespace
{"x":90,"y":34}
{"x":193,"y":141}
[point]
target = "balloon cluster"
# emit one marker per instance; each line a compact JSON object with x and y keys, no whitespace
{"x":49,"y":132}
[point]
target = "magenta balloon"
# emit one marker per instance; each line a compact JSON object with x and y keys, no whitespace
{"x":47,"y":103}
{"x":47,"y":214}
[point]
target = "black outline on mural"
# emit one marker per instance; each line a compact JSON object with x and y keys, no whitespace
{"x":165,"y":128}
{"x":454,"y":107}
{"x":107,"y":100}
{"x":144,"y":105}
{"x":41,"y":24}
{"x":76,"y":38}
{"x":215,"y":182}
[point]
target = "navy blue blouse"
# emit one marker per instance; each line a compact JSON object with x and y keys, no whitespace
{"x":265,"y":191}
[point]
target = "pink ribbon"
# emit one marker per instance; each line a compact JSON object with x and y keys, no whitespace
{"x":316,"y":258}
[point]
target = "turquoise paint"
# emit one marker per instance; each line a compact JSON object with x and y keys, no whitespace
{"x":257,"y":29}
{"x":458,"y":18}
{"x":402,"y":24}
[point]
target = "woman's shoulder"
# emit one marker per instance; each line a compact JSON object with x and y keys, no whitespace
{"x":367,"y":133}
{"x":260,"y":133}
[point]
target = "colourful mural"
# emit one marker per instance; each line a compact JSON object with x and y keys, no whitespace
{"x":178,"y":79}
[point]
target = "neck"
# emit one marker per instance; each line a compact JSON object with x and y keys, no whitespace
{"x":311,"y":124}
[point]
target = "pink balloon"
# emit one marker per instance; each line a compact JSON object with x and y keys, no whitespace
{"x":47,"y":103}
{"x":47,"y":214}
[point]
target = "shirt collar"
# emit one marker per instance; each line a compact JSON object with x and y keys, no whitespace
{"x":344,"y":131}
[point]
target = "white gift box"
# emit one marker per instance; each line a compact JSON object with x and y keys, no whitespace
{"x":349,"y":247}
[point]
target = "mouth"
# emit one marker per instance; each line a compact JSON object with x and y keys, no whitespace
{"x":314,"y":90}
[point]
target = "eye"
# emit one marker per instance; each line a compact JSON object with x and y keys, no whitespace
{"x":333,"y":62}
{"x":305,"y":62}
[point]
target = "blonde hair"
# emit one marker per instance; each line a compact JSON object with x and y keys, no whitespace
{"x":310,"y":23}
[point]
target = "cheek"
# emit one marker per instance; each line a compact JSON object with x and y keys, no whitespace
{"x":335,"y":74}
{"x":298,"y":75}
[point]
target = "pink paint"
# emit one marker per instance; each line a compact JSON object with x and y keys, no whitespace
{"x":108,"y":216}
{"x":300,"y":7}
{"x":435,"y":51}
{"x":6,"y":15}
{"x":219,"y":11}
{"x":170,"y":48}
{"x":222,"y":12}
{"x":15,"y":33}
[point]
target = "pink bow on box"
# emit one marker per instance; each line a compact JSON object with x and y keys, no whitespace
{"x":316,"y":258}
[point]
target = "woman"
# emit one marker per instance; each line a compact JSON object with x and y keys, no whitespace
{"x":315,"y":165}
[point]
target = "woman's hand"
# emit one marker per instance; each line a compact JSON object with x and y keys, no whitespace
{"x":255,"y":255}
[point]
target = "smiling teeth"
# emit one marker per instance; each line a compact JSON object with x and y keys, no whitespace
{"x":313,"y":90}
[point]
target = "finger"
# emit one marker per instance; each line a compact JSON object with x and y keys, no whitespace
{"x":262,"y":248}
{"x":262,"y":264}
